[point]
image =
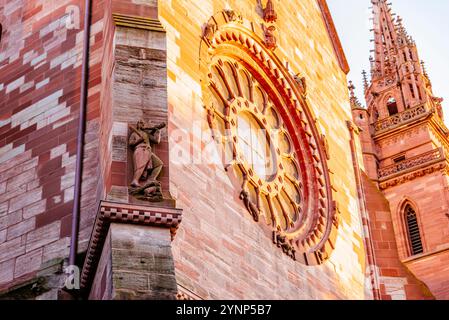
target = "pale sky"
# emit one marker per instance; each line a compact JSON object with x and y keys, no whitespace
{"x":426,"y":21}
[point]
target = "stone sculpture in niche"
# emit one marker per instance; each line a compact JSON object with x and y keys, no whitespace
{"x":147,"y":166}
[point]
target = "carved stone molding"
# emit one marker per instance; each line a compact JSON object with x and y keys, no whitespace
{"x":431,"y":168}
{"x":123,"y":213}
{"x":396,"y":138}
{"x":123,"y":20}
{"x":401,"y":119}
{"x":423,"y":159}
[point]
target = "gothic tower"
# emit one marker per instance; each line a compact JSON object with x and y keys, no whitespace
{"x":405,"y":144}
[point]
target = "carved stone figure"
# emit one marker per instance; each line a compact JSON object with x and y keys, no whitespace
{"x":209,"y":30}
{"x":301,"y":81}
{"x":147,"y":165}
{"x":233,"y":16}
{"x":269,"y":14}
{"x":270,"y":39}
{"x":282,"y":242}
{"x":245,"y":197}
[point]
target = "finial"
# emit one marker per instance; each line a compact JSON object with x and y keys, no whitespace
{"x":365,"y":80}
{"x":355,"y":103}
{"x":423,"y":65}
{"x":351,"y":88}
{"x":269,"y":14}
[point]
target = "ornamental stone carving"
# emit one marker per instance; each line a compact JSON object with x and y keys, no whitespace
{"x":266,"y":134}
{"x":426,"y":158}
{"x":269,"y":13}
{"x":147,"y":166}
{"x":401,"y":118}
{"x":270,"y":39}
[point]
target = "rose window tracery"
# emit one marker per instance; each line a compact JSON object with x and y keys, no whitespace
{"x":246,"y":117}
{"x":259,"y":117}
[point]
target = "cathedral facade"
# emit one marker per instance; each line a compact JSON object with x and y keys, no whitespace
{"x":211,"y":150}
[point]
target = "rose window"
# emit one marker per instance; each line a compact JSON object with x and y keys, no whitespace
{"x":259,"y":118}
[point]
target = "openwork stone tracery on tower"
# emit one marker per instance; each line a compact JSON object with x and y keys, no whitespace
{"x":259,"y":117}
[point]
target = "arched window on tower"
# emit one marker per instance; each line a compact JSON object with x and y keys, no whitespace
{"x":413,"y":232}
{"x":392,"y":106}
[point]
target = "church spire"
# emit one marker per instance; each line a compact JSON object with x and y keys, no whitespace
{"x":396,"y":71}
{"x":385,"y":40}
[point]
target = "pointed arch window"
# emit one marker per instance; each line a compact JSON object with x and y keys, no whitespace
{"x":413,"y":232}
{"x":392,"y":106}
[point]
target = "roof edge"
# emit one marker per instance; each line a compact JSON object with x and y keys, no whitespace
{"x":333,"y":35}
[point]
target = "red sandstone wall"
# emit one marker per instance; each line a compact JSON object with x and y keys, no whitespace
{"x":220,"y":252}
{"x":429,"y":195}
{"x":395,"y":280}
{"x":40,"y":70}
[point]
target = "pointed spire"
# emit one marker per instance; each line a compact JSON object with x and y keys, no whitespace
{"x":385,"y":40}
{"x":403,"y":36}
{"x":395,"y":65}
{"x":355,"y":103}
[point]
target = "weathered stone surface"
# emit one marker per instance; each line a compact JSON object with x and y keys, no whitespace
{"x":43,"y":236}
{"x":6,"y":271}
{"x":130,"y":281}
{"x":57,"y":249}
{"x":28,"y":263}
{"x":219,"y":251}
{"x":133,"y":267}
{"x":11,"y":249}
{"x":21,"y":228}
{"x":162,"y":282}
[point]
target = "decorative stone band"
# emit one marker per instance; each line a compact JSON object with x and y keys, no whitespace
{"x":401,"y":119}
{"x":412,"y":168}
{"x":123,"y":20}
{"x":123,"y":213}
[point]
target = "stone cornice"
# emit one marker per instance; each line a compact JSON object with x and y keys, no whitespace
{"x":123,"y":213}
{"x":123,"y":20}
